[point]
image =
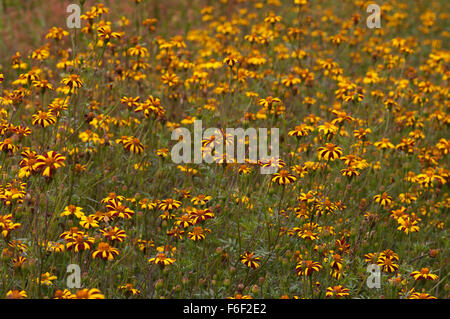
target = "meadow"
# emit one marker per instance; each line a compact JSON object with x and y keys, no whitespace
{"x":92,"y":205}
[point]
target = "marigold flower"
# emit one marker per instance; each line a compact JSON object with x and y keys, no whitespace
{"x":244,"y":169}
{"x":72,"y":81}
{"x":105,"y":32}
{"x":184,"y":221}
{"x":46,"y":279}
{"x":169,"y":204}
{"x":350,"y":172}
{"x":7,"y":146}
{"x":72,"y":210}
{"x":169,"y":78}
{"x":301,"y":130}
{"x":200,"y":215}
{"x":79,"y":242}
{"x":63,"y":294}
{"x":176,"y":232}
{"x":130,"y":101}
{"x":407,"y":225}
{"x":43,"y":84}
{"x":388,"y":253}
{"x":337,"y":291}
{"x":307,"y":268}
{"x":198,"y":233}
{"x":424,"y":273}
{"x":329,"y":152}
{"x":88,"y":221}
{"x":88,"y":294}
{"x":162,"y":152}
{"x":240,"y":296}
{"x":43,"y":119}
{"x":272,"y":18}
{"x":130,"y":289}
{"x":384,"y":144}
{"x":56,"y":33}
{"x":49,"y":162}
{"x":328,"y":128}
{"x":16,"y":294}
{"x":201,"y":199}
{"x":105,"y":251}
{"x":250,"y":260}
{"x":283,"y":177}
{"x":383,"y":199}
{"x":387,"y":264}
{"x":161,"y":259}
{"x":134,"y":145}
{"x":117,"y":209}
{"x":269,"y":101}
{"x":114,"y":233}
{"x":138,"y":51}
{"x":362,"y":133}
{"x":19,"y":261}
{"x":421,"y":295}
{"x":230,"y":61}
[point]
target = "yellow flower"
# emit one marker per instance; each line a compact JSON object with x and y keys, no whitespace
{"x":49,"y":162}
{"x":161,"y":259}
{"x":46,"y":279}
{"x":88,"y":221}
{"x":250,"y":260}
{"x":72,"y":81}
{"x":16,"y":294}
{"x":337,"y":291}
{"x":88,"y":294}
{"x":105,"y":32}
{"x":283,"y":177}
{"x":72,"y":209}
{"x":407,"y":225}
{"x":424,"y":273}
{"x":105,"y":251}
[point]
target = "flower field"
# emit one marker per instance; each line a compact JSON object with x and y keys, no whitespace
{"x":94,"y":203}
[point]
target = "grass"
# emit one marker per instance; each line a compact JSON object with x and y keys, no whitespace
{"x":392,"y":83}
